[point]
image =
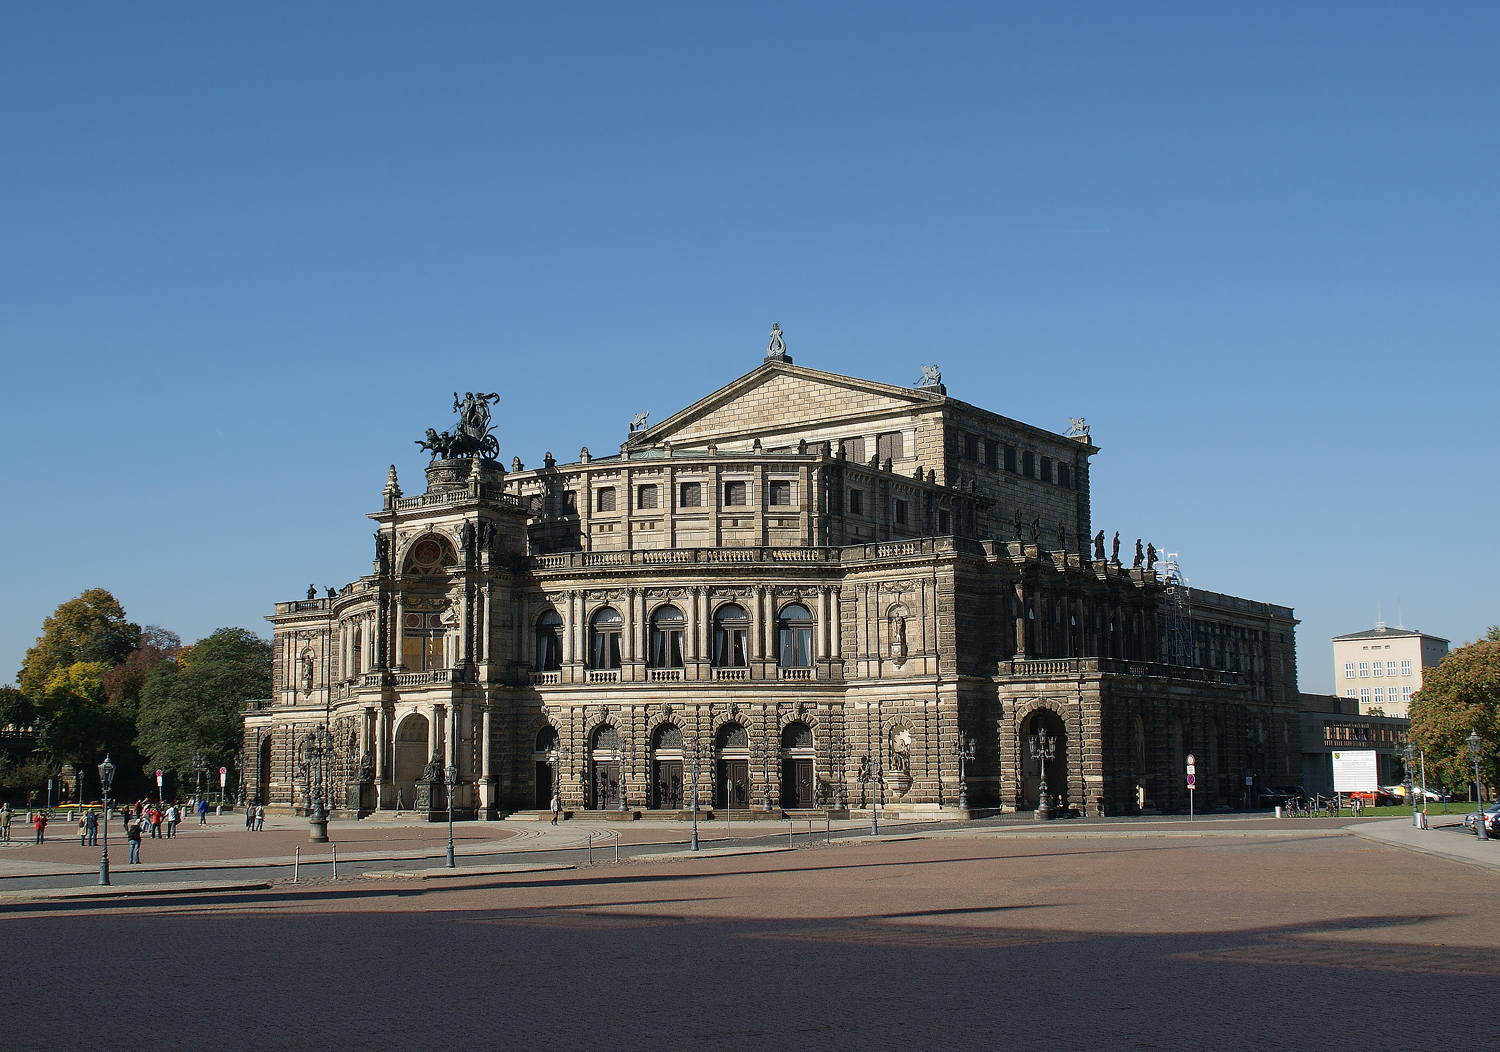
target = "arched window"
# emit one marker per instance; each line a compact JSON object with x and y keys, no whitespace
{"x":794,"y":632}
{"x":604,"y":649}
{"x":667,"y":626}
{"x":549,"y":642}
{"x":731,"y":636}
{"x":546,"y":740}
{"x":430,"y":555}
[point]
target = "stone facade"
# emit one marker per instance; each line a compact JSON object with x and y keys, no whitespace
{"x":812,"y":584}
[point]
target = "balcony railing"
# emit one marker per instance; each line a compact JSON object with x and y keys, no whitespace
{"x":666,"y":675}
{"x":682,"y":557}
{"x":736,"y":674}
{"x":604,"y":675}
{"x":546,"y":679}
{"x":795,"y":673}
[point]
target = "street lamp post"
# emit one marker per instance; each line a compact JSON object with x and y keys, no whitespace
{"x":315,"y":751}
{"x":872,"y":773}
{"x":1475,"y":744}
{"x":452,"y":781}
{"x":625,"y":757}
{"x":1409,"y":754}
{"x":963,"y":749}
{"x":1043,"y":748}
{"x":836,"y":757}
{"x":106,"y":782}
{"x":200,"y":765}
{"x":693,"y":770}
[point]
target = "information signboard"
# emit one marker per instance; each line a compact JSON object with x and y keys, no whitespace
{"x":1355,"y":772}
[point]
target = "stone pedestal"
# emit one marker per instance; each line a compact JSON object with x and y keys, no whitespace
{"x":317,"y":830}
{"x":1044,"y":812}
{"x":432,"y":800}
{"x":359,"y":797}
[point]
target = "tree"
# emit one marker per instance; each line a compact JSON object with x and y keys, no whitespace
{"x":90,"y":629}
{"x":192,"y":703}
{"x":77,"y":723}
{"x":16,"y":709}
{"x":124,"y":682}
{"x":1460,"y":695}
{"x":1492,"y":634}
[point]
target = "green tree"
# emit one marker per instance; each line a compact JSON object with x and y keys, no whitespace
{"x":192,"y":702}
{"x":16,"y":709}
{"x":91,"y":629}
{"x":1492,"y":634}
{"x":77,"y":722}
{"x":1460,"y":695}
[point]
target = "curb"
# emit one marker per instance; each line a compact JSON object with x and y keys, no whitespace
{"x":119,"y":891}
{"x":469,"y":871}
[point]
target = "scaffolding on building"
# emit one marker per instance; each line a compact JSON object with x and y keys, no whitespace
{"x":1177,"y":614}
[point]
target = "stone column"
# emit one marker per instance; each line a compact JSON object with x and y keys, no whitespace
{"x":382,"y":731}
{"x":398,"y":633}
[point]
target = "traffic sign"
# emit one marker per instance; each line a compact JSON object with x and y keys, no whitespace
{"x":223,"y":774}
{"x":1191,"y":761}
{"x":1192,"y":780}
{"x":158,"y":776}
{"x":1191,"y":769}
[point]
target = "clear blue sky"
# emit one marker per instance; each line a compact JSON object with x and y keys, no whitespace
{"x":248,"y":251}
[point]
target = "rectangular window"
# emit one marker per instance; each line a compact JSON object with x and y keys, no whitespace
{"x":735,"y":494}
{"x":1065,"y":476}
{"x":1364,"y":670}
{"x":570,"y":501}
{"x":1379,"y":695}
{"x":1377,"y":669}
{"x":1348,"y":670}
{"x":1028,"y":464}
{"x":1406,"y":694}
{"x":901,"y":513}
{"x":889,"y":446}
{"x":1351,"y":693}
{"x":1364,"y":695}
{"x":607,"y":499}
{"x":856,"y":502}
{"x":781,"y":493}
{"x":645,"y":496}
{"x":945,"y":522}
{"x":1390,"y":668}
{"x":1010,"y":459}
{"x":971,"y":447}
{"x":690,"y":495}
{"x":1406,"y":668}
{"x":854,"y":448}
{"x":991,"y":453}
{"x":1046,"y":469}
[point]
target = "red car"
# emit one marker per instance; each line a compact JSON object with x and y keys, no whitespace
{"x":1377,"y":798}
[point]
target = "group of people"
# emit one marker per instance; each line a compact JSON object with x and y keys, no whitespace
{"x":255,"y":817}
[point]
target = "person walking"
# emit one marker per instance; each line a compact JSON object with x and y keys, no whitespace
{"x":260,"y":817}
{"x":91,"y":827}
{"x":155,"y":816}
{"x":39,"y":822}
{"x":133,"y":834}
{"x":83,"y":831}
{"x":173,"y":815}
{"x":203,"y":812}
{"x":556,"y":807}
{"x":6,"y":814}
{"x":250,"y":818}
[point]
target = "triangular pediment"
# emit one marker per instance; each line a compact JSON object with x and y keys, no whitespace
{"x":781,"y":398}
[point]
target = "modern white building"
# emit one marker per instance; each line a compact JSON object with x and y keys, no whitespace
{"x":1381,"y":668}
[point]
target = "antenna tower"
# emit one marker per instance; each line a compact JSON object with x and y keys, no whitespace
{"x":1177,"y":613}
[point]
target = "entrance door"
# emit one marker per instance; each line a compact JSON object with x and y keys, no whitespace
{"x":1044,"y":721}
{"x":734,"y":775}
{"x":606,"y":784}
{"x":797,"y":783}
{"x":668,"y":785}
{"x":543,"y":785}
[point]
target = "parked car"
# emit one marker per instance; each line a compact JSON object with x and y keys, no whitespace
{"x":1491,"y":820}
{"x":1291,"y":793}
{"x":1375,"y":798}
{"x":1265,"y":797}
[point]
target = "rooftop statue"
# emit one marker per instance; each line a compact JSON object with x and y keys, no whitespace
{"x":1077,"y":427}
{"x":638,"y":422}
{"x":777,"y":347}
{"x":932,"y":376}
{"x":472,"y":435}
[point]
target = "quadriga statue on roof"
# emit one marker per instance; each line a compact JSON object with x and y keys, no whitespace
{"x":472,"y":435}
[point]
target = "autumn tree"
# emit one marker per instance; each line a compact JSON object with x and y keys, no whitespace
{"x":91,"y":629}
{"x":1458,"y":696}
{"x":192,"y":702}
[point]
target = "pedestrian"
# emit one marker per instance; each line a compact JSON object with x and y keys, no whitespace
{"x":556,"y":807}
{"x":203,"y":812}
{"x":39,"y":821}
{"x":250,"y":818}
{"x":155,"y":817}
{"x":83,"y":831}
{"x":172,"y":817}
{"x":133,"y":834}
{"x":260,"y":817}
{"x":6,"y":814}
{"x":91,"y":826}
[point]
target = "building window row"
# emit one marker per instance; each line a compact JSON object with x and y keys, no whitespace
{"x":779,"y":493}
{"x":1376,"y":669}
{"x":730,"y":640}
{"x":1025,"y":463}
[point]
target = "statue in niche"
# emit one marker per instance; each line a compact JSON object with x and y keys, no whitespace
{"x":1150,"y":557}
{"x":382,"y":552}
{"x":366,"y":767}
{"x":1019,"y":538}
{"x":898,"y":637}
{"x":901,"y":752}
{"x":307,"y":671}
{"x":1036,"y":530}
{"x":1062,"y":536}
{"x":1140,"y":555}
{"x":1099,"y":546}
{"x":1114,"y":551}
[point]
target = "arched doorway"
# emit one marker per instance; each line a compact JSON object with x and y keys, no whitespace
{"x":732,"y":750}
{"x":263,"y":772}
{"x":1048,"y":723}
{"x":544,"y":758}
{"x":666,"y":768}
{"x":797,"y":785}
{"x":410,"y":757}
{"x":605,"y":754}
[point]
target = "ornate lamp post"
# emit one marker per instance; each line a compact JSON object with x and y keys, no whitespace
{"x":452,"y":783}
{"x":1475,"y":744}
{"x":625,"y":756}
{"x":872,"y":773}
{"x":316,"y":749}
{"x":692,"y":753}
{"x":1410,"y":757}
{"x":1043,"y":748}
{"x":963,"y":750}
{"x":200,"y":766}
{"x":764,"y":750}
{"x":836,"y":757}
{"x":106,"y":782}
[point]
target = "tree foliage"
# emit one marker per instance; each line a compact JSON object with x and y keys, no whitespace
{"x":91,"y":629}
{"x":77,"y":722}
{"x":192,"y":702}
{"x":1460,"y":695}
{"x":16,"y":709}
